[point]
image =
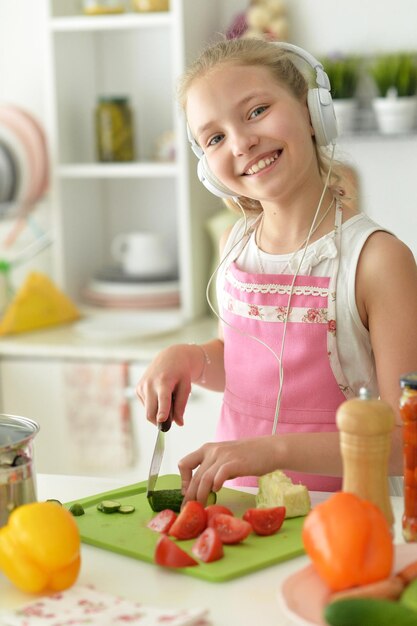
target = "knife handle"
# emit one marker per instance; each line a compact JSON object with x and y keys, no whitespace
{"x":165,"y":426}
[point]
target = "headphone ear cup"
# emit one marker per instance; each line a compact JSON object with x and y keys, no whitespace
{"x":211,"y":182}
{"x":323,"y":118}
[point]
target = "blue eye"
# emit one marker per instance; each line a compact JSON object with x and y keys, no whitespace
{"x":215,"y":140}
{"x":258,"y":111}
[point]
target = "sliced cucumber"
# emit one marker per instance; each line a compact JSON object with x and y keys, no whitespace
{"x":126,"y":508}
{"x":108,"y":506}
{"x":369,"y":612}
{"x":55,"y":501}
{"x":76,"y":509}
{"x":172,"y":499}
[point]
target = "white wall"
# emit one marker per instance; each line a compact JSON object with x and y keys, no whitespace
{"x":363,"y":26}
{"x":387,"y":167}
{"x":22,"y":54}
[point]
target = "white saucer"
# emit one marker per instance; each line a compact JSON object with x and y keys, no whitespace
{"x":132,"y":289}
{"x":115,"y":274}
{"x":122,"y":326}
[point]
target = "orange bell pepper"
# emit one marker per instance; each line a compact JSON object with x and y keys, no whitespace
{"x":349,"y":541}
{"x":40,"y":548}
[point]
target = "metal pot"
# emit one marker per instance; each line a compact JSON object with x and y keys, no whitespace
{"x":17,"y":483}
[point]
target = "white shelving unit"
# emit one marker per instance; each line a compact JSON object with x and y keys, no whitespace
{"x":139,"y":56}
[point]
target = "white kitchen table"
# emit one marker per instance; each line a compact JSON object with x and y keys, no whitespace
{"x":244,"y":601}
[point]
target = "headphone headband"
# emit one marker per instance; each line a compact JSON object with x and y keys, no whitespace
{"x":322,"y":79}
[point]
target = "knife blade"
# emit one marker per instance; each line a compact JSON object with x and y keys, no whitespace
{"x":158,"y":452}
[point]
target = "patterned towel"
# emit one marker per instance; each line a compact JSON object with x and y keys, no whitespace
{"x":85,"y":606}
{"x":98,"y":415}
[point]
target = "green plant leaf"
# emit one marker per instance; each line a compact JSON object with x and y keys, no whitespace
{"x":398,"y":71}
{"x":343,"y":73}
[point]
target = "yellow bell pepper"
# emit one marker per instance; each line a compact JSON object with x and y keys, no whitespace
{"x":40,"y":548}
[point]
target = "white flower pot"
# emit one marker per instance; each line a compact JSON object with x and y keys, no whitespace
{"x":346,"y":114}
{"x":395,"y":115}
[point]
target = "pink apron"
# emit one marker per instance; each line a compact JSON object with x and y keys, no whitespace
{"x":314,"y":385}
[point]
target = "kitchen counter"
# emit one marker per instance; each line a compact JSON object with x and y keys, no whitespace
{"x":67,"y":342}
{"x":243,"y":601}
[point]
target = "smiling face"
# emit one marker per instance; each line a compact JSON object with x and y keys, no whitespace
{"x":257,"y":137}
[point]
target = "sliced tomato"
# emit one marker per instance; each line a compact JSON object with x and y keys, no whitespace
{"x":265,"y":521}
{"x":163,"y":521}
{"x":231,"y":529}
{"x":167,"y":553}
{"x":191,"y":521}
{"x":215,"y":509}
{"x":208,"y":546}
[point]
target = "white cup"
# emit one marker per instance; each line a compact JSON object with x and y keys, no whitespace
{"x":142,"y":253}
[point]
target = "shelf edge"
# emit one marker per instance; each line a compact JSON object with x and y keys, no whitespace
{"x":118,"y":170}
{"x":109,"y":22}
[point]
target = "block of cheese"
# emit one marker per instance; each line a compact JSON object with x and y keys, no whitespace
{"x":277,"y":489}
{"x":37,"y":304}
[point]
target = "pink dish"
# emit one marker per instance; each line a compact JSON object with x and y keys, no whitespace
{"x":31,"y":138}
{"x":303,"y":595}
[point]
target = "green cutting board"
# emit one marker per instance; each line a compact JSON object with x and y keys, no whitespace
{"x":129,"y":535}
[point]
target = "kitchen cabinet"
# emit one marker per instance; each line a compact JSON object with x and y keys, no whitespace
{"x":140,"y":56}
{"x":35,"y":388}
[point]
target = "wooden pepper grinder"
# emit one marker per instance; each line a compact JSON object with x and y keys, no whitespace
{"x":365,"y":426}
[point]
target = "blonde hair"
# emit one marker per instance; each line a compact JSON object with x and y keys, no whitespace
{"x":257,"y":52}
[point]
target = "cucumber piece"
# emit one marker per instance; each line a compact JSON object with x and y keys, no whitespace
{"x":369,"y":612}
{"x":165,"y":499}
{"x":409,"y":596}
{"x":172,"y":499}
{"x":55,"y":500}
{"x":126,"y":508}
{"x":108,"y":506}
{"x":211,"y":498}
{"x":76,"y":509}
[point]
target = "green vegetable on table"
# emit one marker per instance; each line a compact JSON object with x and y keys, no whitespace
{"x":76,"y":509}
{"x":112,"y":506}
{"x":409,"y":596}
{"x":369,"y":612}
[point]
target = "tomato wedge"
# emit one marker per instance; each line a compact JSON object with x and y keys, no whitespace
{"x":231,"y":529}
{"x":265,"y":521}
{"x":208,"y":546}
{"x":163,"y":521}
{"x":191,"y":521}
{"x":167,"y":553}
{"x":215,"y":509}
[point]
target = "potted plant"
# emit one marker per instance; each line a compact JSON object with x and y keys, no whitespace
{"x":343,"y":72}
{"x":395,"y":78}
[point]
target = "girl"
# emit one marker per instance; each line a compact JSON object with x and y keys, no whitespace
{"x":316,"y":300}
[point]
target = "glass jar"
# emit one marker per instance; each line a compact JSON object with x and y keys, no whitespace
{"x":114,"y":130}
{"x":103,"y":7}
{"x":150,"y":5}
{"x":408,"y":411}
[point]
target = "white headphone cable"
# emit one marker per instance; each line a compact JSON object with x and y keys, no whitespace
{"x":246,"y":232}
{"x":284,"y":333}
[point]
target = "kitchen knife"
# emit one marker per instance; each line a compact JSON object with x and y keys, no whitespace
{"x":158,"y":452}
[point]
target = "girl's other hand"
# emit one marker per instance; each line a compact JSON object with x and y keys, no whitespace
{"x":214,"y":463}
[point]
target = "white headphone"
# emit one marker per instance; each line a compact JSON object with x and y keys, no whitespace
{"x":320,"y":106}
